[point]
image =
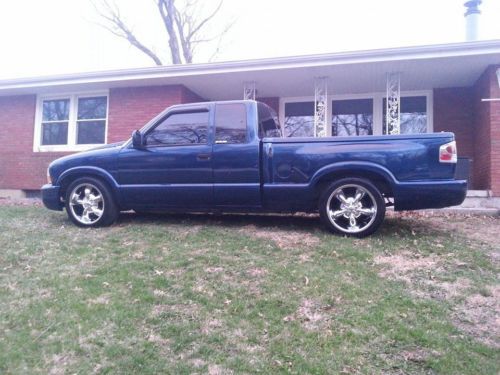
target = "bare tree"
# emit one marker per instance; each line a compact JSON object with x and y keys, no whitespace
{"x":184,"y":24}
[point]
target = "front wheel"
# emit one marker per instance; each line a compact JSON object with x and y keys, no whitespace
{"x":352,"y":206}
{"x":89,"y":203}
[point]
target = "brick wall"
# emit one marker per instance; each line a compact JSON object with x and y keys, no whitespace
{"x":273,"y":102}
{"x":132,"y":107}
{"x":454,"y":112}
{"x":20,"y":167}
{"x":129,"y":109}
{"x":495,"y":131}
{"x":486,"y":135}
{"x":476,"y":125}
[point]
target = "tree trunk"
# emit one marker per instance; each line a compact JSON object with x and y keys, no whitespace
{"x":167,"y":12}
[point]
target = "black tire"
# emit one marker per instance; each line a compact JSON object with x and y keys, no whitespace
{"x":99,"y":205}
{"x":339,"y":213}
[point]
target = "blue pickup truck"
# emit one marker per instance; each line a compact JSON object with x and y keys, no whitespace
{"x":230,"y":157}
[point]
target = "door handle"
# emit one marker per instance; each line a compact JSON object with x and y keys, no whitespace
{"x":203,"y":157}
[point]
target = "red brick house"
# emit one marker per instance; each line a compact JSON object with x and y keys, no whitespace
{"x":452,"y":87}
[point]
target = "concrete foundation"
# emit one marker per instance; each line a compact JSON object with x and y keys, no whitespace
{"x":12,"y":194}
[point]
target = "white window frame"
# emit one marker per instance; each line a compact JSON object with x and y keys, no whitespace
{"x":377,"y":97}
{"x":72,"y":121}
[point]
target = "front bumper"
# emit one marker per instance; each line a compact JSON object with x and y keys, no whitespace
{"x":51,"y":197}
{"x":420,"y":195}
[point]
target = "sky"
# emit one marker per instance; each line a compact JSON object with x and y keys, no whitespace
{"x":45,"y":37}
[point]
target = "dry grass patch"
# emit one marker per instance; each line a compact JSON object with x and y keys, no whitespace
{"x":312,"y":315}
{"x":402,"y":266}
{"x":218,"y":370}
{"x":214,"y":269}
{"x":59,"y":363}
{"x":26,"y":202}
{"x":182,"y":311}
{"x":423,"y":275}
{"x":101,"y":300}
{"x":281,"y":238}
{"x":479,"y":316}
{"x":482,"y":230}
{"x":419,"y":355}
{"x":211,"y":325}
{"x":158,"y":340}
{"x":257,"y":272}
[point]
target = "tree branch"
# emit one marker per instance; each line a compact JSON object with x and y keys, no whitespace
{"x":183,"y":27}
{"x":112,"y":15}
{"x":187,"y":50}
{"x":204,"y":21}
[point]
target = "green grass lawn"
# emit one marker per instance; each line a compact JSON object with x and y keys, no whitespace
{"x":246,"y":294}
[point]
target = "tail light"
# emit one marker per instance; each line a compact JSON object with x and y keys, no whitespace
{"x":448,"y":153}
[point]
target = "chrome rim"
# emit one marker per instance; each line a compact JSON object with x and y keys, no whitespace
{"x":86,"y":203}
{"x":351,"y":208}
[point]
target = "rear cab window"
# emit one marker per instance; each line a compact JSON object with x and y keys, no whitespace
{"x":269,"y":125}
{"x":231,"y":123}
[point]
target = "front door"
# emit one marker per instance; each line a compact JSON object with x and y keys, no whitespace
{"x":174,"y":169}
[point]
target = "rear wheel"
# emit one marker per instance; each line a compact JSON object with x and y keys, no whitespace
{"x":352,"y":206}
{"x":89,"y":203}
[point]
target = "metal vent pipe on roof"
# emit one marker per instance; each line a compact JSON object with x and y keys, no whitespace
{"x":472,"y":15}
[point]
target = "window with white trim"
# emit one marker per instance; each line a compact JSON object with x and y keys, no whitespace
{"x":299,"y":119}
{"x":352,"y":117}
{"x":413,"y":115}
{"x":71,"y":122}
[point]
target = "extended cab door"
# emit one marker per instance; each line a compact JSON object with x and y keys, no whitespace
{"x":236,"y":169}
{"x":174,"y":168}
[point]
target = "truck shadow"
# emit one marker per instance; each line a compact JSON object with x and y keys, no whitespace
{"x":300,"y":222}
{"x":308,"y":223}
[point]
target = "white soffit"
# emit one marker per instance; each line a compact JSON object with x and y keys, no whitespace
{"x":424,"y":67}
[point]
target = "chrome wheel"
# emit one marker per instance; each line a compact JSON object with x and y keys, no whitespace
{"x":86,"y":203}
{"x":351,"y":208}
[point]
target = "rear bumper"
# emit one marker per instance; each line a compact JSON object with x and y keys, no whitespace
{"x":435,"y":194}
{"x":51,"y":198}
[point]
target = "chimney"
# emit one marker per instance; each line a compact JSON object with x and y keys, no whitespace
{"x":472,"y":15}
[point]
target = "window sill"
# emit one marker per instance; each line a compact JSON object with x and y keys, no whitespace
{"x":66,"y":148}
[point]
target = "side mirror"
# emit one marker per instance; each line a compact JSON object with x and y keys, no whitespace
{"x":137,"y":139}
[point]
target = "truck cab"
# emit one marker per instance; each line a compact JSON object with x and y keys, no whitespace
{"x":200,"y":156}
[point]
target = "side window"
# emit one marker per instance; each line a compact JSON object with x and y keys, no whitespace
{"x":230,"y":123}
{"x":269,"y":125}
{"x":180,"y":129}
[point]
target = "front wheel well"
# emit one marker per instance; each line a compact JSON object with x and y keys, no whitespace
{"x":67,"y":181}
{"x":381,"y":182}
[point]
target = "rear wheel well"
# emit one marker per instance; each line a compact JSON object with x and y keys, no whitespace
{"x":375,"y":178}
